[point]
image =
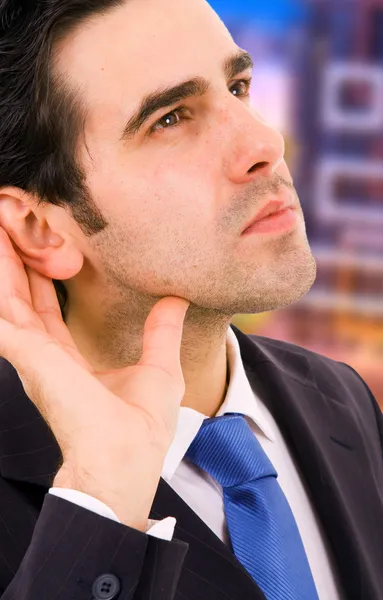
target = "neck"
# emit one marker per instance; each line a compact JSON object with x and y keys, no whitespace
{"x":114,"y":341}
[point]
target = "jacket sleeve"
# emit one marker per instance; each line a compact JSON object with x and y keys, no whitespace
{"x":163,"y":529}
{"x":71,"y":547}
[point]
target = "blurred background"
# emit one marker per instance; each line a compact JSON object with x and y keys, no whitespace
{"x":319,"y":79}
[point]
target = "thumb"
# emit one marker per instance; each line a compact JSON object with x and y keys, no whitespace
{"x":162,"y":336}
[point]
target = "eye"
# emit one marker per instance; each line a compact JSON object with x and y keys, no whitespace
{"x":170,"y":120}
{"x":243,"y":87}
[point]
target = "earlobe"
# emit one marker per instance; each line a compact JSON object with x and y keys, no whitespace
{"x":39,"y":247}
{"x":60,"y":264}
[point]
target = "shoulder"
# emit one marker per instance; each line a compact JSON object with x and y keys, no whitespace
{"x":326,"y":373}
{"x":335,"y":379}
{"x":291,"y":355}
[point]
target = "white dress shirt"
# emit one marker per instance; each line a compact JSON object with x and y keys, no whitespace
{"x":203,"y":493}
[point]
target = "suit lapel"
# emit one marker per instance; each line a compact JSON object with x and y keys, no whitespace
{"x":313,"y":412}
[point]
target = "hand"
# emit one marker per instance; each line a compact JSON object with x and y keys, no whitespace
{"x":113,"y":427}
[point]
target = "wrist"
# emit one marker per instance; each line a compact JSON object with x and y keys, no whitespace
{"x":129,"y":495}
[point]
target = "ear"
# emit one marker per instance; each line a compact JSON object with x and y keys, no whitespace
{"x":51,"y":253}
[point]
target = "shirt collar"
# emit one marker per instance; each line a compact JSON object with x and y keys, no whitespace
{"x":239,"y":398}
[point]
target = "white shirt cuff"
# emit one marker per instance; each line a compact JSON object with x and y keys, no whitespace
{"x":163,"y":529}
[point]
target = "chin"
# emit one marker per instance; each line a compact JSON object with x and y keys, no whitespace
{"x":288,"y":284}
{"x":299,"y":284}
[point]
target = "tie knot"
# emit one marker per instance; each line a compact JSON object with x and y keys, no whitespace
{"x":227,"y":449}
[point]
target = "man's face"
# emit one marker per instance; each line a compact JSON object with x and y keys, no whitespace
{"x":179,"y":188}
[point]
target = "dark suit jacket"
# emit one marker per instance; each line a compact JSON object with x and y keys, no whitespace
{"x":51,"y":549}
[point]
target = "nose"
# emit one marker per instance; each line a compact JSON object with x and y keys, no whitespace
{"x":255,"y":148}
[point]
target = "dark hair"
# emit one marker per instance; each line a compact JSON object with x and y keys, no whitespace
{"x":41,"y":117}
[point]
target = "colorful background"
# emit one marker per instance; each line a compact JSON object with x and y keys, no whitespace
{"x":319,"y":79}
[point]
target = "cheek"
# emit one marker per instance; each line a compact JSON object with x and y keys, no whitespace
{"x":181,"y":189}
{"x":167,"y":187}
{"x":162,"y":208}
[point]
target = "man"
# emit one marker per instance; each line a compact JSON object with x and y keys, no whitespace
{"x":132,"y":166}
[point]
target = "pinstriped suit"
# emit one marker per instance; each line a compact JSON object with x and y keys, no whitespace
{"x":53,"y":549}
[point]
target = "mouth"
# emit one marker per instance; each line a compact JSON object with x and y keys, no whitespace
{"x":277,"y":216}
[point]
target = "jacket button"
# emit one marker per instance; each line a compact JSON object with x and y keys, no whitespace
{"x":106,"y":587}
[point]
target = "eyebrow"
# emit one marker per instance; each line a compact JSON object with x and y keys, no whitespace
{"x":166,"y":97}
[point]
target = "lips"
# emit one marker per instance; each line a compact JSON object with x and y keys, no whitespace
{"x":273,"y":206}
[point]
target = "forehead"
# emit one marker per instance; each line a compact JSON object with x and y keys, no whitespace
{"x":133,"y":49}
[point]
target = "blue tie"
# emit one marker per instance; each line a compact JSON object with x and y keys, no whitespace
{"x":261,"y":525}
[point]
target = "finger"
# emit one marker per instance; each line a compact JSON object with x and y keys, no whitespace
{"x":163,"y":335}
{"x":46,"y":305}
{"x":18,"y":346}
{"x":8,"y":334}
{"x":15,"y":298}
{"x":13,"y":276}
{"x":42,"y":364}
